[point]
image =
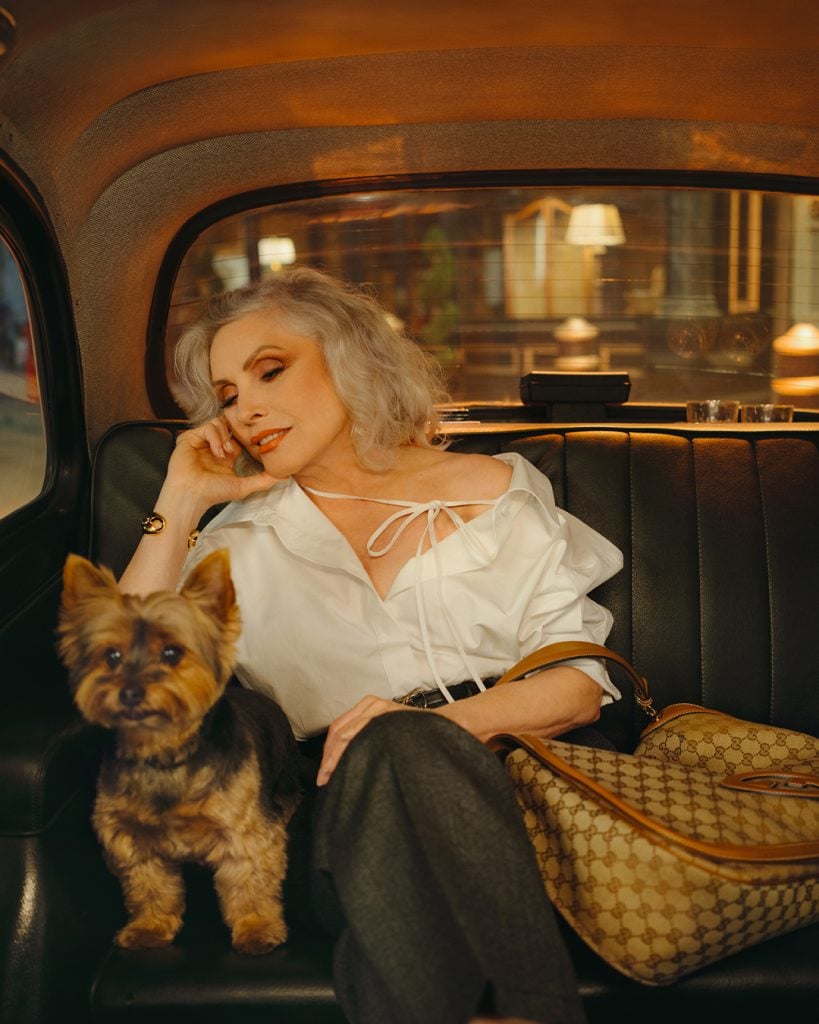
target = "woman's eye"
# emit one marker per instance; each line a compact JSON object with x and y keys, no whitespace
{"x":265,"y":370}
{"x":171,"y":654}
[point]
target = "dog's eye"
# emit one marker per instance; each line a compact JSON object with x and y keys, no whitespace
{"x":113,"y":657}
{"x":171,"y":654}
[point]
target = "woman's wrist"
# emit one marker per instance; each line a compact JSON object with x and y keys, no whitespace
{"x":166,"y":529}
{"x":180,"y":508}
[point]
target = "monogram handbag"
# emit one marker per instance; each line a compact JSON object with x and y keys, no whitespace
{"x":702,"y":842}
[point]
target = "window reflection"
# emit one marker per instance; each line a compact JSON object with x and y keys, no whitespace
{"x":22,"y":436}
{"x":687,"y":289}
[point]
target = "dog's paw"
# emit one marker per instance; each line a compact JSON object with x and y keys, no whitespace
{"x":142,"y":934}
{"x":256,"y":935}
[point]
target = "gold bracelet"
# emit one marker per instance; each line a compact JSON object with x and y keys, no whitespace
{"x":153,"y":523}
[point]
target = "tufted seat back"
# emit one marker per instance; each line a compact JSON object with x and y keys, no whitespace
{"x":718,"y":600}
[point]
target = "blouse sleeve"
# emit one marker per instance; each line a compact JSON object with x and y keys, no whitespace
{"x":572,"y":560}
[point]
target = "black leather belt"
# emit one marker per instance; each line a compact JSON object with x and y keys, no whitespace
{"x":419,"y":698}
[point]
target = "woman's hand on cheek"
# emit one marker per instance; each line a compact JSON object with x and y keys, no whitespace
{"x":204,"y":461}
{"x":347,"y":726}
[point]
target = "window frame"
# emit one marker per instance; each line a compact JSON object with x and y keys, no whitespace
{"x":35,"y":538}
{"x":159,"y":392}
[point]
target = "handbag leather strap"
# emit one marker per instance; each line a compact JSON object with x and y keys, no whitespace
{"x":568,"y":650}
{"x":766,"y":781}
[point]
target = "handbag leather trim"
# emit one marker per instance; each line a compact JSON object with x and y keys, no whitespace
{"x":674,"y":711}
{"x":773,"y":853}
{"x":774,"y":783}
{"x":568,"y":650}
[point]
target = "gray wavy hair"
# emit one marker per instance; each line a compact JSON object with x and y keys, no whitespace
{"x":387,"y":384}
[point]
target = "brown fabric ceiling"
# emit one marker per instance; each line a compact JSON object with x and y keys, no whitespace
{"x":129,"y":117}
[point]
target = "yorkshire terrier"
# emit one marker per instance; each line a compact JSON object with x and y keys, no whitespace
{"x":195,"y":772}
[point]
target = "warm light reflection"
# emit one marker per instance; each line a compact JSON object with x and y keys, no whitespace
{"x":276,"y":252}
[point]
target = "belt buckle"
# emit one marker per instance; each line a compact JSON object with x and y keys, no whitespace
{"x":408,"y":698}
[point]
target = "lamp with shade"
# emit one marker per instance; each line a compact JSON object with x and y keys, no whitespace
{"x":594,"y":226}
{"x":276,"y":251}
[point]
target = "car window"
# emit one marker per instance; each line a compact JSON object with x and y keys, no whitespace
{"x":695,"y":292}
{"x":22,"y":433}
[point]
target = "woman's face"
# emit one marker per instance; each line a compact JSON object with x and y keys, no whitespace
{"x":277,"y":397}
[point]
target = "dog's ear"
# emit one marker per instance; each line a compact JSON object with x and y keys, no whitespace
{"x":82,"y":580}
{"x":211,"y":587}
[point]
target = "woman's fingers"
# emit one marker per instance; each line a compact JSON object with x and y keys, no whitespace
{"x":347,"y":726}
{"x":204,"y":461}
{"x":214,"y":435}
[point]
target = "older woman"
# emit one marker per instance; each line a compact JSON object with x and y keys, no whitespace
{"x":379,"y":573}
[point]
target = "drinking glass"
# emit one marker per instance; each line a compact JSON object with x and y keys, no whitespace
{"x":766,"y":412}
{"x":712,"y":410}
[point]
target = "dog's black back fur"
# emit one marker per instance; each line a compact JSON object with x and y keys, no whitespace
{"x":244,"y":718}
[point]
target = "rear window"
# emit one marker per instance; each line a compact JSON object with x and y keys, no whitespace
{"x":694,"y":292}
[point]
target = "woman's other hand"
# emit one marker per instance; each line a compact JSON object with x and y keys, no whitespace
{"x":347,"y":726}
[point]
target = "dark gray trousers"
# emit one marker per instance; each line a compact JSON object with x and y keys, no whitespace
{"x":423,"y":867}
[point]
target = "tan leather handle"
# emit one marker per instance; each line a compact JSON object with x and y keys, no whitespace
{"x":567,"y":650}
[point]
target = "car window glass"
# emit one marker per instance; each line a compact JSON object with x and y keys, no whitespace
{"x":22,"y":433}
{"x":695,"y":292}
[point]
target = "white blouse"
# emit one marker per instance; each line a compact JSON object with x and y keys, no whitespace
{"x":317,"y":636}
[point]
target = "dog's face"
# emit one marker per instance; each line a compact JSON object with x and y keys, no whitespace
{"x":155,"y":663}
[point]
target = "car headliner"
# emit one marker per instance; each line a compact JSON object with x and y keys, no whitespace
{"x":129,"y":117}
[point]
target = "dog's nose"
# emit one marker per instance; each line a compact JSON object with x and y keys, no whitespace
{"x":131,"y":694}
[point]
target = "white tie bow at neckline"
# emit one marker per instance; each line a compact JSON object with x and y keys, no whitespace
{"x":409,"y":512}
